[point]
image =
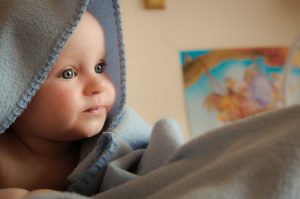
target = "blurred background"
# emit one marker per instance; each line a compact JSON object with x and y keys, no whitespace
{"x":154,"y":39}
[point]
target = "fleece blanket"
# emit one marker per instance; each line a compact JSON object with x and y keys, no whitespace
{"x":254,"y":158}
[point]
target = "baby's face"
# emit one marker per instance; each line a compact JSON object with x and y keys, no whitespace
{"x":74,"y":101}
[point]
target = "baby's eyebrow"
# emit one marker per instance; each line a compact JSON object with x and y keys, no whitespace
{"x":103,"y":58}
{"x":100,"y":60}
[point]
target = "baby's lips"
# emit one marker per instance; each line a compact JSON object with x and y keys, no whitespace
{"x":94,"y":108}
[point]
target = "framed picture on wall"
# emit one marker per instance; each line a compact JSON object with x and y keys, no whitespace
{"x":225,"y":85}
{"x":154,"y":4}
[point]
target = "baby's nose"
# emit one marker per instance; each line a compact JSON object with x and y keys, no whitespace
{"x":95,"y":86}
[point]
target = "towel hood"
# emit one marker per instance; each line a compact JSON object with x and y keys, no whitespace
{"x":33,"y":34}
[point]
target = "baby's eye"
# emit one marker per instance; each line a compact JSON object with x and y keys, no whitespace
{"x":68,"y":74}
{"x":100,"y":67}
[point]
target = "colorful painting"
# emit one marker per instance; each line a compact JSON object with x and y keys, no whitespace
{"x":222,"y":86}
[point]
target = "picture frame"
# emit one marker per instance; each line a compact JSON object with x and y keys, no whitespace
{"x":155,"y":4}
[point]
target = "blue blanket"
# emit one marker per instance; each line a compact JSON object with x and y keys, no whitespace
{"x":254,"y":158}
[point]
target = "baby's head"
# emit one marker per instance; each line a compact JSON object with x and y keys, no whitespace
{"x":75,"y":99}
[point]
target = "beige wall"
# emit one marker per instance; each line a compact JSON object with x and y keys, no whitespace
{"x":154,"y":39}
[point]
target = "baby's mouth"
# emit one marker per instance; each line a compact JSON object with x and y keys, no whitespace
{"x":94,"y":109}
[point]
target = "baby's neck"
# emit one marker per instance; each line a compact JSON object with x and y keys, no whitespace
{"x":44,"y":165}
{"x":45,"y":148}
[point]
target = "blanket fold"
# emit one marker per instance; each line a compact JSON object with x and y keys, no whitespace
{"x":253,"y":158}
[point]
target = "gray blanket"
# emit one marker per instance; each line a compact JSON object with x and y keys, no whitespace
{"x":253,"y":158}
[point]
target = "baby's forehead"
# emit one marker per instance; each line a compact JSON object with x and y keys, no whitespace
{"x":86,"y":42}
{"x":88,"y":16}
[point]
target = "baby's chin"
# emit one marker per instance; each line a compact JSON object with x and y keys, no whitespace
{"x":72,"y":135}
{"x":86,"y":132}
{"x":82,"y":129}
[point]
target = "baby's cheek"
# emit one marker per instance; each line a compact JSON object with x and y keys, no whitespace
{"x":113,"y":96}
{"x":69,"y":102}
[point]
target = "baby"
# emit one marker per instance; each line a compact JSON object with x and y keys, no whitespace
{"x":72,"y":104}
